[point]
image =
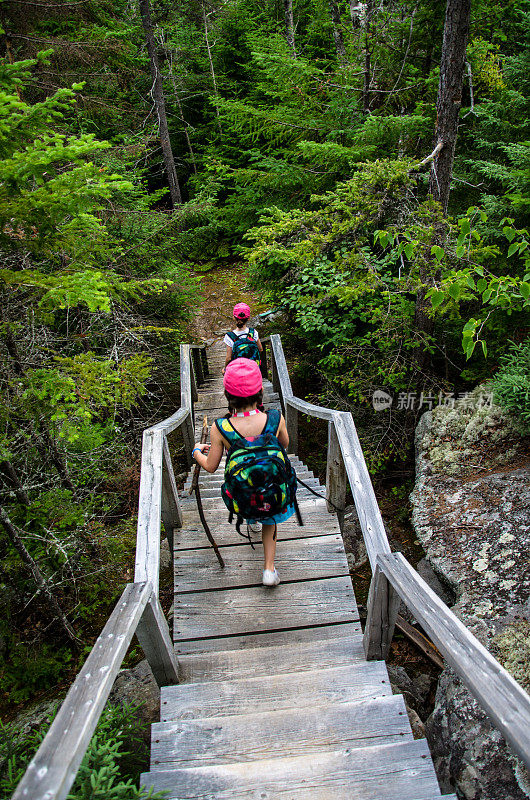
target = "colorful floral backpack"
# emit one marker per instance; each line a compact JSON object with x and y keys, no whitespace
{"x":245,"y":346}
{"x":259,"y":480}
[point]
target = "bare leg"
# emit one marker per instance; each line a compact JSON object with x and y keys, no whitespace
{"x":269,"y":545}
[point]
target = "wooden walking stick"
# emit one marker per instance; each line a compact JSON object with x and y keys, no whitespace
{"x":195,"y":488}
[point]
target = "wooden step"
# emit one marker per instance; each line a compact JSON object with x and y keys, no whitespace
{"x":291,"y":732}
{"x":283,"y":658}
{"x":296,"y":560}
{"x":271,"y":693}
{"x":212,"y":487}
{"x":192,"y":537}
{"x":216,"y":479}
{"x":400,"y":771}
{"x":268,"y":638}
{"x":302,"y":494}
{"x":230,"y":612}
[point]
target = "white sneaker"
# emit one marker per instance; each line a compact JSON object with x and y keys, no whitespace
{"x":270,"y":577}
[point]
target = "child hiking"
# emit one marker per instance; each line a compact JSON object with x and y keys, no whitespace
{"x":260,"y":483}
{"x":242,"y":342}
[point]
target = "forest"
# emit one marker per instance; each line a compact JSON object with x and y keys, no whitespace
{"x":365,"y":164}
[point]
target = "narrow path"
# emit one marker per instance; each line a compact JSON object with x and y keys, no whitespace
{"x":276,"y":699}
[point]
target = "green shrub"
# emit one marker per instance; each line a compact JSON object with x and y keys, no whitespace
{"x":511,"y":385}
{"x":108,"y":771}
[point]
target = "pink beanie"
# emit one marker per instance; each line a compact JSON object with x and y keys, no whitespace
{"x":242,"y":377}
{"x":241,"y":311}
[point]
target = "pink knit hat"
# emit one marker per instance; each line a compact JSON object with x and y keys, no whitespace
{"x":241,"y":311}
{"x":242,"y":377}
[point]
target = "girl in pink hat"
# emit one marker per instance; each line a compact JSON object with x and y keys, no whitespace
{"x":244,"y":392}
{"x":241,"y":332}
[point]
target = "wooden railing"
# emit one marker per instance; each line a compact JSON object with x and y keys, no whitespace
{"x":393,"y":579}
{"x":52,"y":771}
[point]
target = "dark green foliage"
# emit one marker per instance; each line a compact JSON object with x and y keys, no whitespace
{"x":511,"y":384}
{"x":110,"y":769}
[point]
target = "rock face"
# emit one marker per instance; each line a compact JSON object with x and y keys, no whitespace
{"x":138,"y":687}
{"x":471,"y":512}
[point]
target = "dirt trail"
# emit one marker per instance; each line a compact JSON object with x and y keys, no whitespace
{"x":222,"y":288}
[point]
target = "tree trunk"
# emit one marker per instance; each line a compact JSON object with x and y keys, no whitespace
{"x":14,"y":483}
{"x":337,"y":31}
{"x":181,"y":111}
{"x":289,"y":24}
{"x":449,"y":100}
{"x":33,"y":568}
{"x":157,"y":93}
{"x":210,"y":60}
{"x":367,"y":80}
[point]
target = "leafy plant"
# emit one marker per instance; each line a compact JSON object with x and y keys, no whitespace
{"x":511,"y":384}
{"x":110,"y":768}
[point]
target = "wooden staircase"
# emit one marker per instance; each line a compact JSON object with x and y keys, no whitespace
{"x":276,"y":699}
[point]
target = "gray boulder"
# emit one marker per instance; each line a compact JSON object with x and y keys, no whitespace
{"x":471,"y":512}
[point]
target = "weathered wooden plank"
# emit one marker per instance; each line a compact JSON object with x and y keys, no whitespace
{"x":368,"y":511}
{"x":52,"y":771}
{"x":269,"y":638}
{"x":310,"y":409}
{"x":505,"y":702}
{"x":289,"y":732}
{"x":291,"y":423}
{"x":193,"y":382}
{"x":197,"y":365}
{"x":185,"y":377}
{"x":192,"y":537}
{"x":149,"y":511}
{"x":382,"y":610}
{"x":171,"y":511}
{"x":215,"y":479}
{"x":293,"y":605}
{"x":212,"y":488}
{"x":336,"y":478}
{"x":154,"y":637}
{"x":274,"y":692}
{"x":386,"y":772}
{"x":171,"y":423}
{"x":274,"y":659}
{"x":307,"y":559}
{"x":283,"y":385}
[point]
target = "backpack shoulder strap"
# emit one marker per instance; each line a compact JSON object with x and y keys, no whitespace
{"x":274,"y":417}
{"x":227,"y":430}
{"x":232,"y":335}
{"x":251,"y":332}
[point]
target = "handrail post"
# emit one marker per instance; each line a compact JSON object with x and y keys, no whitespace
{"x":154,"y":637}
{"x":194,"y":393}
{"x":336,"y":478}
{"x":382,"y":610}
{"x":275,"y":377}
{"x":171,"y":511}
{"x":291,"y":422}
{"x":264,"y":365}
{"x":186,"y":400}
{"x":197,"y":366}
{"x":204,"y":360}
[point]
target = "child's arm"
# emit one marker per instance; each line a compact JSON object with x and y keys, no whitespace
{"x":260,"y":346}
{"x":282,"y":435}
{"x":209,"y":455}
